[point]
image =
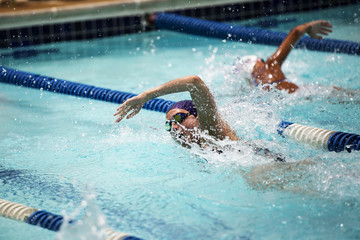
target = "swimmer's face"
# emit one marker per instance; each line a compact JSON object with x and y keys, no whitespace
{"x":187,"y":130}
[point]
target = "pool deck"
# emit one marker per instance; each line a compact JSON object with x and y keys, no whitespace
{"x":36,"y":12}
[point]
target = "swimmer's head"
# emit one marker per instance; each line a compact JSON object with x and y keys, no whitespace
{"x":187,"y":105}
{"x":182,"y":122}
{"x":244,"y":67}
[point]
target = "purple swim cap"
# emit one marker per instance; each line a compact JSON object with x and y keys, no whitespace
{"x":187,"y":105}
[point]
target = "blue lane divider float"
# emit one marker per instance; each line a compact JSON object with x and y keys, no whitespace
{"x":47,"y":220}
{"x":234,"y":32}
{"x":320,"y":138}
{"x":17,"y":77}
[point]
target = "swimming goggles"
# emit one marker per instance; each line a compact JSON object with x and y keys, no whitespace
{"x":178,"y":118}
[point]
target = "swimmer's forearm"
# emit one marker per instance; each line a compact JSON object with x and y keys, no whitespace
{"x":192,"y":84}
{"x":286,"y":46}
{"x":200,"y":94}
{"x":315,"y":29}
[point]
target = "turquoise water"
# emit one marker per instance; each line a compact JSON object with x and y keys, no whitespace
{"x":56,"y":150}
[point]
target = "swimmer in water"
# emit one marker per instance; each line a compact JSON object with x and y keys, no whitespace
{"x":185,"y":120}
{"x":198,"y":121}
{"x":188,"y":120}
{"x":256,"y":71}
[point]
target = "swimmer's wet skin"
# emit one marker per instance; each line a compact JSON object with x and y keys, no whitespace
{"x":188,"y":121}
{"x":256,"y":71}
{"x":208,"y":119}
{"x":188,"y":105}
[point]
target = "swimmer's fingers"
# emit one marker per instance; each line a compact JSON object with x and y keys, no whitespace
{"x":324,"y":33}
{"x":123,"y":108}
{"x":325,"y":28}
{"x":118,"y":111}
{"x":318,"y":28}
{"x":119,"y":118}
{"x":132,"y":105}
{"x":317,"y":36}
{"x":121,"y":113}
{"x":325,"y":24}
{"x":133,"y":113}
{"x":125,"y":105}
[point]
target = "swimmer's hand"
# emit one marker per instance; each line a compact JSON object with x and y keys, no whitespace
{"x":315,"y":28}
{"x":130,"y":107}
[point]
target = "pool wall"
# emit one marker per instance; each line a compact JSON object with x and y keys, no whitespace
{"x":95,"y":26}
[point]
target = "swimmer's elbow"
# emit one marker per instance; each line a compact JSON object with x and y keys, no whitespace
{"x":197,"y":86}
{"x":196,"y":80}
{"x":195,"y":83}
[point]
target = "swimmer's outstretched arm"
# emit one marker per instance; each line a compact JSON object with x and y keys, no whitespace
{"x":209,"y":117}
{"x":315,"y":29}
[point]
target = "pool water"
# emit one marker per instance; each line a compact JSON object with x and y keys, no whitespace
{"x":57,"y":150}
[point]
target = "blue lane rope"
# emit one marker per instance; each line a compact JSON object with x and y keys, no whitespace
{"x":17,"y":77}
{"x":53,"y":222}
{"x":341,"y":141}
{"x":249,"y":34}
{"x":333,"y":141}
{"x":46,"y":219}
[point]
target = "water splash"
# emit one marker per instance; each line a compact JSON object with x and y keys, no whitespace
{"x":255,"y":114}
{"x":91,"y":225}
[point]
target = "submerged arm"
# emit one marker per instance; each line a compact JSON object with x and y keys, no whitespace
{"x":209,"y":118}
